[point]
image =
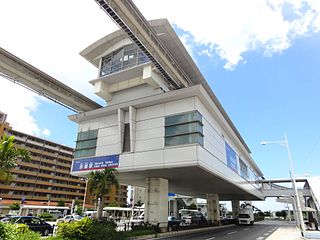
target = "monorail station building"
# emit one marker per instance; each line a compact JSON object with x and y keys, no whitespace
{"x":166,"y":140}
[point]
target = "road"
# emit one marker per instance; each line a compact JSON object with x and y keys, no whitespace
{"x":259,"y":231}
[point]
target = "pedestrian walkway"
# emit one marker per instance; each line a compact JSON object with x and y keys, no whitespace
{"x":312,"y":235}
{"x":285,"y":232}
{"x":290,"y":232}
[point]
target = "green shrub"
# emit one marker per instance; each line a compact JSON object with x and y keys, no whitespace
{"x":54,"y":238}
{"x":75,"y":230}
{"x":29,"y":235}
{"x":105,"y":231}
{"x":61,"y":203}
{"x":46,"y":216}
{"x":15,"y":206}
{"x":21,"y":228}
{"x":17,"y":232}
{"x":88,"y":229}
{"x":7,"y":231}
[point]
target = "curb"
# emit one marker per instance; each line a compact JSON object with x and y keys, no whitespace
{"x":176,"y":233}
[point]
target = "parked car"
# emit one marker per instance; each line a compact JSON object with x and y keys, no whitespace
{"x":56,"y":214}
{"x":173,"y":221}
{"x":5,"y":219}
{"x":34,"y":223}
{"x":198,"y":219}
{"x":69,"y":218}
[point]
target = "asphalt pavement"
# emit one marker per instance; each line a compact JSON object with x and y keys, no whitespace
{"x":259,"y":231}
{"x":265,"y":230}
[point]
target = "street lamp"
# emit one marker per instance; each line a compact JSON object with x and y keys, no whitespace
{"x":294,"y":186}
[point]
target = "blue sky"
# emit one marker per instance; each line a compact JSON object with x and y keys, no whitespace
{"x":261,"y":59}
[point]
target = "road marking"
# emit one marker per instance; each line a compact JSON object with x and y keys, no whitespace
{"x":246,"y":229}
{"x":232,"y":232}
{"x":266,"y":234}
{"x":210,"y":238}
{"x":259,"y":238}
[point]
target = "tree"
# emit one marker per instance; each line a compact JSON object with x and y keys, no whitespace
{"x":100,"y":184}
{"x":192,"y":206}
{"x":15,"y":206}
{"x":113,"y":204}
{"x":283,"y":214}
{"x":9,"y":155}
{"x":61,"y":203}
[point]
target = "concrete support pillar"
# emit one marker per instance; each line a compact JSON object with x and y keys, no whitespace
{"x":235,"y":208}
{"x":213,"y":207}
{"x":156,"y":208}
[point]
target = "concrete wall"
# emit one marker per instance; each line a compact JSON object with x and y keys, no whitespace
{"x":149,"y":135}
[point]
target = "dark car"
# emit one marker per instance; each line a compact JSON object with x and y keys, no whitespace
{"x":173,"y":221}
{"x":34,"y":223}
{"x":198,"y":219}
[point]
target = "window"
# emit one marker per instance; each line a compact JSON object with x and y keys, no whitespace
{"x":243,"y":169}
{"x":86,"y":144}
{"x":123,"y":58}
{"x":126,"y":138}
{"x":231,"y":158}
{"x":184,"y":129}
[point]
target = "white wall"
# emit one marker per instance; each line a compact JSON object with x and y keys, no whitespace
{"x":215,"y":137}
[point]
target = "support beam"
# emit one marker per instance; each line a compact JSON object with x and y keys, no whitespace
{"x":156,"y":206}
{"x":213,"y":207}
{"x":235,"y":208}
{"x":22,"y":73}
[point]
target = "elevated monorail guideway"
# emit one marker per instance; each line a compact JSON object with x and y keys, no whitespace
{"x":22,"y":73}
{"x":129,"y":18}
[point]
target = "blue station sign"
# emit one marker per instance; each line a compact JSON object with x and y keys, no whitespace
{"x":95,"y":163}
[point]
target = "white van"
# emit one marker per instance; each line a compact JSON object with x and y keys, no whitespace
{"x":56,"y":214}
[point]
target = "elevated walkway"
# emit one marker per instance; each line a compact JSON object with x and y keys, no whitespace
{"x":309,"y":193}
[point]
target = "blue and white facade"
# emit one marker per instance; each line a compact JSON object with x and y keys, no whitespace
{"x":177,"y":141}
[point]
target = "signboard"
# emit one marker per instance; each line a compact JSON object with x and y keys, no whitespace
{"x":231,"y":158}
{"x":95,"y":163}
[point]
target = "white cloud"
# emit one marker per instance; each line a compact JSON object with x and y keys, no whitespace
{"x":46,"y":132}
{"x":34,"y":32}
{"x":19,"y":104}
{"x":186,"y":39}
{"x":231,"y":28}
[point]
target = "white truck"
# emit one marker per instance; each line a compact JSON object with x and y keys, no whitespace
{"x":246,"y":215}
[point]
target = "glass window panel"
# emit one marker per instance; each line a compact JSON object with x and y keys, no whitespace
{"x":184,"y":139}
{"x":86,"y":144}
{"x":183,"y":129}
{"x":85,"y":153}
{"x":243,"y":169}
{"x":105,"y":65}
{"x":142,"y":58}
{"x":231,"y":158}
{"x":87,"y":135}
{"x":117,"y":59}
{"x":125,"y":57}
{"x":183,"y":118}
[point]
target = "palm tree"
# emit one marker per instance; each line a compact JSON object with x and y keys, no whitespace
{"x":9,"y":155}
{"x":100,"y":184}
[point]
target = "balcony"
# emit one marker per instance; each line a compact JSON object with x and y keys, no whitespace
{"x":68,"y":186}
{"x":18,"y":171}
